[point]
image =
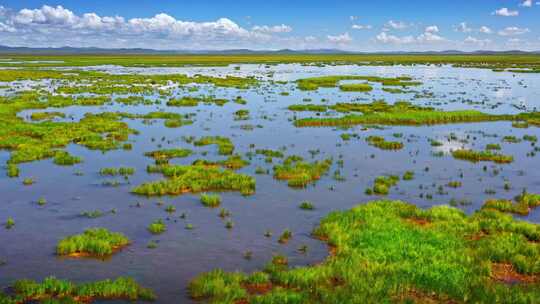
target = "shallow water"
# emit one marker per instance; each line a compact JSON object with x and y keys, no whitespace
{"x":29,"y":247}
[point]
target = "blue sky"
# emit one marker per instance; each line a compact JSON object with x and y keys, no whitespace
{"x":351,"y":25}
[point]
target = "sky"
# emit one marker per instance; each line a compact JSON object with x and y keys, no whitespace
{"x":354,"y":25}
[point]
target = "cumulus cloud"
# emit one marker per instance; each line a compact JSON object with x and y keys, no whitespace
{"x":505,"y":12}
{"x":463,"y":27}
{"x":527,"y":3}
{"x":361,"y":27}
{"x":395,"y":25}
{"x":430,"y":35}
{"x":485,"y":30}
{"x":273,"y":29}
{"x":56,"y":25}
{"x":384,"y":37}
{"x":477,"y":42}
{"x":513,"y":31}
{"x":340,"y":39}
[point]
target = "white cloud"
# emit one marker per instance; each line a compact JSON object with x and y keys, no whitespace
{"x":383,"y":37}
{"x":463,"y":27}
{"x":430,"y":35}
{"x":273,"y":29}
{"x":395,"y":25}
{"x":340,"y":39}
{"x":485,"y":30}
{"x":526,"y":3}
{"x":512,"y":31}
{"x":58,"y":26}
{"x":432,"y":29}
{"x":361,"y":27}
{"x":505,"y":12}
{"x":476,"y":41}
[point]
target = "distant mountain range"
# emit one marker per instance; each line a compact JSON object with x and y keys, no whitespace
{"x":94,"y":50}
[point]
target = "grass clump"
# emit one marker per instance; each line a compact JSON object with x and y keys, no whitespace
{"x":314,"y":83}
{"x":477,"y":156}
{"x":96,"y":242}
{"x":394,"y":252}
{"x":381,"y":143}
{"x":285,"y":236}
{"x":356,"y":87}
{"x":225,"y":146}
{"x":300,"y":173}
{"x":12,"y":170}
{"x":408,"y":175}
{"x":10,"y":222}
{"x":46,"y":115}
{"x":194,"y":179}
{"x":382,"y":185}
{"x":63,"y":158}
{"x":521,"y":205}
{"x":306,"y":205}
{"x":122,"y":171}
{"x":210,"y":200}
{"x":53,"y":290}
{"x":307,"y":108}
{"x":399,"y":113}
{"x":163,"y":156}
{"x":157,"y":227}
{"x":493,"y":147}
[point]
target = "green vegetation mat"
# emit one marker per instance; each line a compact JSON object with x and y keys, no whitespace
{"x":394,"y":252}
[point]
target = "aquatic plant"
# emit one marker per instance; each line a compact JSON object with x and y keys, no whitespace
{"x":306,"y":205}
{"x":63,"y":158}
{"x":382,"y":185}
{"x":408,"y":175}
{"x":225,"y":146}
{"x":300,"y":173}
{"x":195,"y":178}
{"x":356,"y":87}
{"x":382,"y":143}
{"x":157,"y":227}
{"x":163,"y":156}
{"x":285,"y":236}
{"x":210,"y":200}
{"x":53,"y":290}
{"x":10,"y":222}
{"x":97,"y":242}
{"x":399,"y":113}
{"x":477,"y":156}
{"x":111,"y":171}
{"x":522,"y":204}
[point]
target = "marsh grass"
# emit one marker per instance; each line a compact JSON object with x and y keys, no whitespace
{"x":356,"y":87}
{"x":225,"y":146}
{"x":300,"y":173}
{"x":195,"y":179}
{"x":399,"y":113}
{"x":314,"y":83}
{"x":285,"y":236}
{"x":157,"y":227}
{"x":53,"y":290}
{"x":382,"y":185}
{"x":307,"y":205}
{"x":112,"y":171}
{"x":210,"y":200}
{"x":391,"y":251}
{"x":477,"y":156}
{"x":10,"y":223}
{"x":95,"y":242}
{"x":163,"y":156}
{"x":522,"y":204}
{"x":382,"y":143}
